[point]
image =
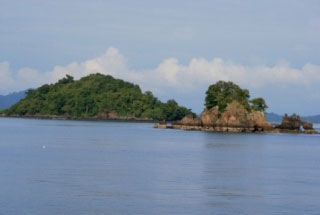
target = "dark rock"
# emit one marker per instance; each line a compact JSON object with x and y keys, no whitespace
{"x":163,"y":122}
{"x":292,"y":122}
{"x":307,"y":125}
{"x":236,"y":118}
{"x":189,"y":120}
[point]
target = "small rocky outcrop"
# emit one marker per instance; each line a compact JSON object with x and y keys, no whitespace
{"x":188,"y":120}
{"x":294,"y":123}
{"x":307,"y":125}
{"x":162,"y":124}
{"x":290,"y":122}
{"x":235,"y":118}
{"x":228,"y":108}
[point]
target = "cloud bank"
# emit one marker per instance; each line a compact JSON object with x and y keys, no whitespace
{"x":170,"y":74}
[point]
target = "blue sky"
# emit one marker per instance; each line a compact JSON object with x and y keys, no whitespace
{"x":173,"y":48}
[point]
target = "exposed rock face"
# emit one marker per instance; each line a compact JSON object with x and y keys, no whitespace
{"x":209,"y":117}
{"x":307,"y":126}
{"x":235,"y":116}
{"x":260,"y":120}
{"x":290,"y":122}
{"x":294,"y":123}
{"x":189,"y":122}
{"x":234,"y":119}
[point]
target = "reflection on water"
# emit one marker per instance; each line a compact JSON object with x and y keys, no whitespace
{"x":130,"y":168}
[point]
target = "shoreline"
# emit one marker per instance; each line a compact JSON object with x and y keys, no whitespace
{"x":57,"y":117}
{"x":233,"y":129}
{"x":165,"y":126}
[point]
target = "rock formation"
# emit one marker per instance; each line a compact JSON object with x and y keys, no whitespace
{"x":235,"y":118}
{"x":228,"y":108}
{"x":290,"y":122}
{"x":294,"y":123}
{"x":307,"y":126}
{"x":189,"y":120}
{"x":209,"y":117}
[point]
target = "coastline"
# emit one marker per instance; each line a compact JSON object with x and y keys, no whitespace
{"x":233,"y":129}
{"x":62,"y":117}
{"x":160,"y":125}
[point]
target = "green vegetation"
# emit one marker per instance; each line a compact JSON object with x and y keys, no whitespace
{"x":259,"y":104}
{"x":222,"y":93}
{"x":93,"y":95}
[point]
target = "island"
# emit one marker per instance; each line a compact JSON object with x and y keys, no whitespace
{"x":95,"y":97}
{"x":228,"y":108}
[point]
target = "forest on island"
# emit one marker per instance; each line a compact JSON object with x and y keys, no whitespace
{"x":95,"y":94}
{"x":222,"y":93}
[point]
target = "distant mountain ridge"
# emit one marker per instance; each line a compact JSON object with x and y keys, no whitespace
{"x":273,"y":117}
{"x":11,"y":99}
{"x":277,"y":118}
{"x":313,"y":119}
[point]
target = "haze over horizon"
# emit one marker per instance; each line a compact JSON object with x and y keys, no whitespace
{"x":175,"y":49}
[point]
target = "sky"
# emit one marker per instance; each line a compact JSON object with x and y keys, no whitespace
{"x":174,"y":48}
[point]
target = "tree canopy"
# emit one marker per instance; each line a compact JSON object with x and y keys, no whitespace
{"x":222,"y":93}
{"x":95,"y":94}
{"x":258,"y":104}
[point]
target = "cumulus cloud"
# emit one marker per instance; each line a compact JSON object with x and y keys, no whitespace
{"x":22,"y":79}
{"x":168,"y":74}
{"x":111,"y":62}
{"x":204,"y":71}
{"x":5,"y":76}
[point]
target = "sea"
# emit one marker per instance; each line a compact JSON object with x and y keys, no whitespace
{"x":105,"y":167}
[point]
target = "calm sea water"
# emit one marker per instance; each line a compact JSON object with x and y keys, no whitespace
{"x":81,"y":167}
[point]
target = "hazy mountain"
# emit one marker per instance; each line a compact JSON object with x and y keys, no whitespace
{"x":10,"y":99}
{"x":277,"y":118}
{"x":313,"y":119}
{"x":274,"y":118}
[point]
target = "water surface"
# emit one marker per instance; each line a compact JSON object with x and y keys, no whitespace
{"x":82,"y":167}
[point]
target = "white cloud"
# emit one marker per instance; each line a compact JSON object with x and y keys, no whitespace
{"x":11,"y":82}
{"x":5,"y":76}
{"x":169,"y":74}
{"x":111,"y":62}
{"x":201,"y":72}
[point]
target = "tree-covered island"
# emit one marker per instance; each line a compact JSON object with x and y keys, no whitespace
{"x":96,"y":96}
{"x":228,"y":108}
